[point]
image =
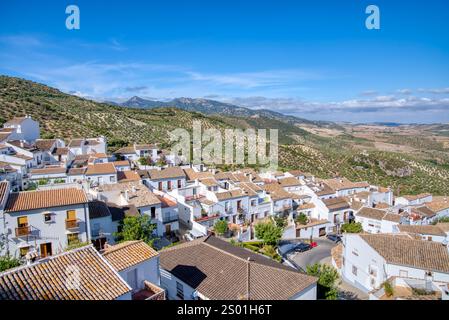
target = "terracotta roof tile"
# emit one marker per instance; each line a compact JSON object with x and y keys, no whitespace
{"x":168,"y":173}
{"x":100,"y":168}
{"x":29,"y":200}
{"x":47,"y":280}
{"x":209,"y":264}
{"x":128,"y":254}
{"x":421,"y":254}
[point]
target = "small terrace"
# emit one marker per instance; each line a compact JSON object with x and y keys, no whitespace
{"x":149,"y":292}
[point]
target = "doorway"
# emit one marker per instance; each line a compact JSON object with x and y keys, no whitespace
{"x":46,"y":250}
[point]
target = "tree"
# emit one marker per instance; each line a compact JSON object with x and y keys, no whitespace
{"x":145,"y":161}
{"x":221,"y":227}
{"x":281,"y":222}
{"x":136,"y":228}
{"x":302,"y":219}
{"x":327,"y":280}
{"x":7,"y":261}
{"x":268,"y":232}
{"x":352,"y":227}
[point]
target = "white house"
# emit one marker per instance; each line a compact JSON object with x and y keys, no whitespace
{"x":58,"y":278}
{"x":426,"y":232}
{"x":138,"y":264}
{"x":167,"y":179}
{"x":23,"y":128}
{"x":377,"y":220}
{"x":368,"y":260}
{"x":101,"y":173}
{"x":414,"y":199}
{"x":212,"y":269}
{"x":45,"y":222}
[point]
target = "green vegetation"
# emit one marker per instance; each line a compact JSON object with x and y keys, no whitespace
{"x":145,"y":161}
{"x":259,"y":247}
{"x":136,"y":228}
{"x":280,"y":221}
{"x":7,"y":261}
{"x":76,"y":244}
{"x":388,"y":288}
{"x":424,"y":169}
{"x":302,"y":219}
{"x":268,"y":232}
{"x":327,"y":280}
{"x":42,"y":182}
{"x":352,"y":227}
{"x":221,"y":227}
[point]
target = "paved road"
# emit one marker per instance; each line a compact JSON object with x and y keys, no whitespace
{"x":322,"y":251}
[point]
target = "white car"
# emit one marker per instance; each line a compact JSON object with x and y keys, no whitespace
{"x":192,"y":235}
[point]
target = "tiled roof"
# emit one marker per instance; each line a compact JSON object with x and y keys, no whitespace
{"x":138,"y":194}
{"x":231,"y":194}
{"x":289,"y":182}
{"x":335,"y":204}
{"x":29,"y":200}
{"x":416,"y":197}
{"x":45,"y":144}
{"x":4,"y":190}
{"x":76,"y":171}
{"x":48,"y":280}
{"x":209,"y":182}
{"x":443,"y":226}
{"x":126,"y":150}
{"x":427,"y":255}
{"x":296,"y":173}
{"x":192,"y":174}
{"x":76,"y":143}
{"x":423,"y":211}
{"x":100,"y":168}
{"x":438,"y":204}
{"x":98,"y":209}
{"x":144,"y":146}
{"x":422,"y":229}
{"x":371,"y":213}
{"x":393,"y":217}
{"x":221,"y":271}
{"x":49,"y":170}
{"x":128,"y":254}
{"x":121,"y":163}
{"x":343,"y":183}
{"x":169,"y":173}
{"x":126,"y":176}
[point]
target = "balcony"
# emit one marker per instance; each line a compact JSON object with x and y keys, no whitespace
{"x":170,"y":218}
{"x":149,"y":292}
{"x":194,"y":197}
{"x":205,"y":218}
{"x":71,"y":224}
{"x":23,"y":231}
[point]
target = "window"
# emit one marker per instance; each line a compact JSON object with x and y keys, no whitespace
{"x":354,"y":270}
{"x":160,"y":185}
{"x":253,"y":203}
{"x":169,"y":185}
{"x":403,"y":273}
{"x":153,"y":212}
{"x":48,"y":217}
{"x":179,"y":290}
{"x":112,"y":178}
{"x":22,"y":221}
{"x":179,"y":184}
{"x":24,"y":251}
{"x":72,"y":238}
{"x":71,"y":215}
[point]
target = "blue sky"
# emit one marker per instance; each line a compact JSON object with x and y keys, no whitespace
{"x":313,"y":59}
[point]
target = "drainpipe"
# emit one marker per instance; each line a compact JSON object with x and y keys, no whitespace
{"x":87,"y":220}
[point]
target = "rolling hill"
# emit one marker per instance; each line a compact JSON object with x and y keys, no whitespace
{"x":410,"y":159}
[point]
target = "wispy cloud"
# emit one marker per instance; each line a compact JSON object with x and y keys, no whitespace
{"x":435,"y":90}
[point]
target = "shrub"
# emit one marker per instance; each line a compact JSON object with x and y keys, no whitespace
{"x":388,"y":288}
{"x":268,"y":232}
{"x":352,"y":227}
{"x":221,"y":227}
{"x":327,"y":280}
{"x":8,"y":262}
{"x":302,"y":219}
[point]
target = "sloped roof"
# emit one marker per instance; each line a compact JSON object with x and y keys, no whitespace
{"x":168,"y":173}
{"x":30,"y":200}
{"x":45,"y":144}
{"x":128,"y":254}
{"x":422,"y":229}
{"x":334,"y":204}
{"x":221,"y":271}
{"x":100,"y":168}
{"x":98,"y":209}
{"x":47,"y":280}
{"x":427,"y":255}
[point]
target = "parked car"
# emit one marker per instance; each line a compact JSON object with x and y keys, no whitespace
{"x":301,"y":247}
{"x":334,"y":238}
{"x":192,"y":235}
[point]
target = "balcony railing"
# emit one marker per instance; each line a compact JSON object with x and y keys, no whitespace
{"x":204,"y":218}
{"x":23,"y":231}
{"x":71,"y":224}
{"x":194,"y":197}
{"x":170,"y":218}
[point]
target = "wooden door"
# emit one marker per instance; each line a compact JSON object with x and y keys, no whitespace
{"x":46,"y":249}
{"x":71,"y":215}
